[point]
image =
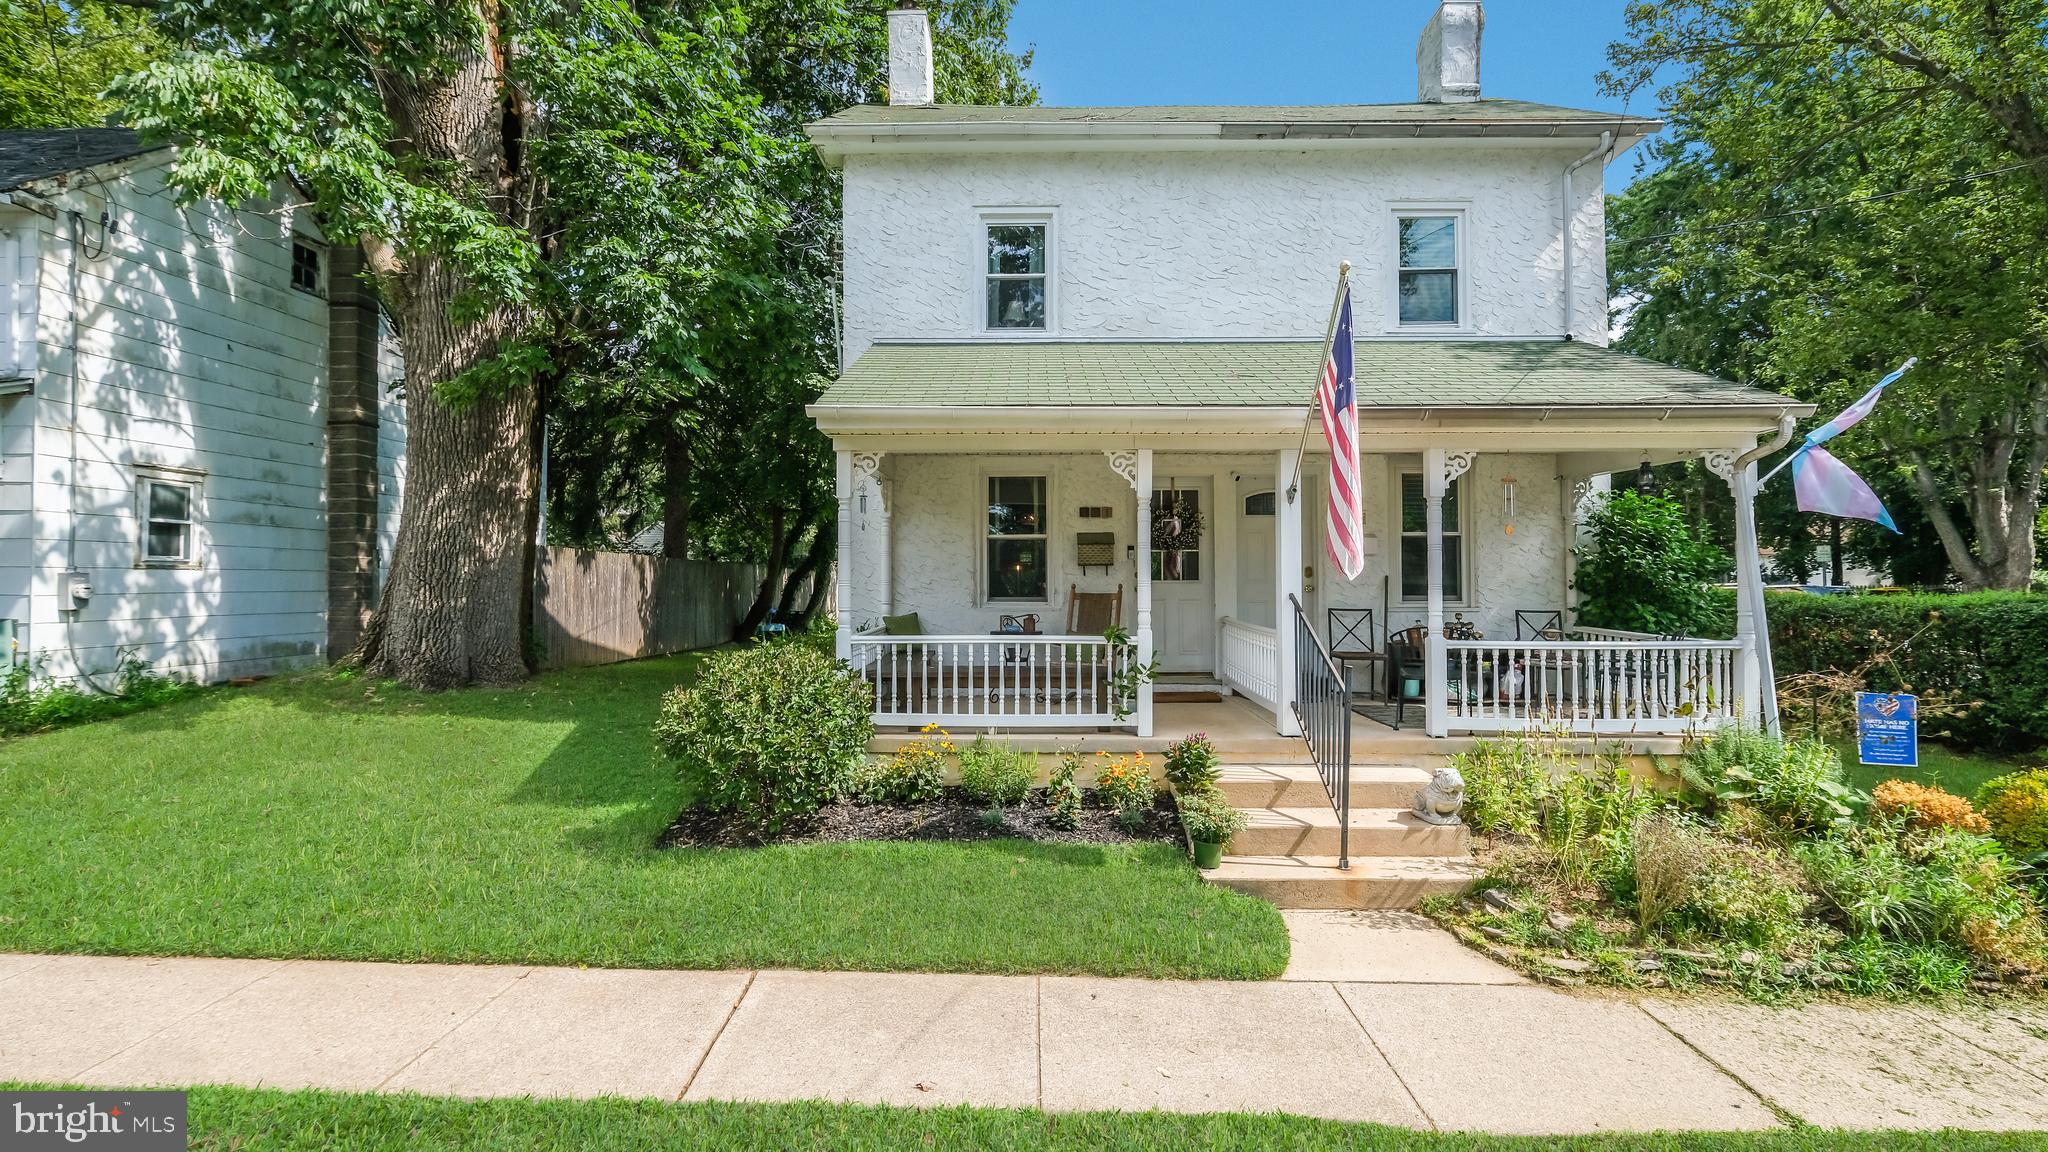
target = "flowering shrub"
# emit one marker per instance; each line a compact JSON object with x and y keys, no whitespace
{"x":1210,"y":819}
{"x":1124,"y":783}
{"x":2016,"y":806}
{"x":1191,"y":765}
{"x":1920,"y":806}
{"x":914,"y":773}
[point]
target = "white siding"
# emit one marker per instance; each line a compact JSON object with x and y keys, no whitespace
{"x":1173,"y":245}
{"x":193,"y":351}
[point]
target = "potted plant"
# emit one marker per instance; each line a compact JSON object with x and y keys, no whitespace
{"x":1210,"y":822}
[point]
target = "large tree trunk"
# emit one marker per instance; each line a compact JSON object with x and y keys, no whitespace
{"x":675,"y":494}
{"x":771,"y":578}
{"x":453,"y":609}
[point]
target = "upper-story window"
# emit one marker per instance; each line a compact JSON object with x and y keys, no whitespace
{"x":1016,"y":281}
{"x":1429,"y":276}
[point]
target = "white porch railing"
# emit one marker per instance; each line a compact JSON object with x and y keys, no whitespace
{"x":1595,"y":686}
{"x":994,"y":681}
{"x":1251,"y":661}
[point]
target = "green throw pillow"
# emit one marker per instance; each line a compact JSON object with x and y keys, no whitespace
{"x":904,"y":625}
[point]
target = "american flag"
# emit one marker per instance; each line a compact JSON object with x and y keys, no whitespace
{"x":1338,"y":399}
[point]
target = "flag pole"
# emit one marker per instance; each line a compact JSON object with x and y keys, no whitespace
{"x":1782,"y":464}
{"x":1329,"y":337}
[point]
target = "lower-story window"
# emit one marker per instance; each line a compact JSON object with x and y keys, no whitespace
{"x":1016,"y":562}
{"x":170,"y":510}
{"x":1415,"y":541}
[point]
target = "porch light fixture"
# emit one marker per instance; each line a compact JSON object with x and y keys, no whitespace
{"x":1643,"y":477}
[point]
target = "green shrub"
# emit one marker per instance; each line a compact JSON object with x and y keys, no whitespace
{"x":1209,"y":818}
{"x":32,"y":702}
{"x":1505,"y":783}
{"x":2016,"y":805}
{"x":1124,"y":784}
{"x":913,"y":774}
{"x":1647,"y":567}
{"x":1800,"y":785}
{"x":1064,"y":794}
{"x":1980,"y":651}
{"x":1191,"y":765}
{"x":996,"y":775}
{"x":1941,"y":886}
{"x":1748,"y":893}
{"x":769,"y":734}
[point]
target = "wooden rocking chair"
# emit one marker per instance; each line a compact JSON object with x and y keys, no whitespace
{"x":1093,"y":613}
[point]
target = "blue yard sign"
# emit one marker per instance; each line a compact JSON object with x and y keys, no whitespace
{"x":1888,"y":729}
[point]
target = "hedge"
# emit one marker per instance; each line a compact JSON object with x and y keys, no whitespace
{"x":1989,"y":649}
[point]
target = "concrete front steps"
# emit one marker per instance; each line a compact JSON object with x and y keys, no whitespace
{"x":1288,"y":854}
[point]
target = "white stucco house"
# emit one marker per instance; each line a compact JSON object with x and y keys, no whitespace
{"x":201,"y":448}
{"x":1061,"y":323}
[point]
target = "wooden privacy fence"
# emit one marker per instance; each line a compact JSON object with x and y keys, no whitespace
{"x":603,"y":607}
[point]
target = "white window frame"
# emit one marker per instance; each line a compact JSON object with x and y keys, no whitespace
{"x":193,"y":481}
{"x":987,"y":218}
{"x":1053,"y":572}
{"x":1458,"y":212}
{"x":1463,"y":530}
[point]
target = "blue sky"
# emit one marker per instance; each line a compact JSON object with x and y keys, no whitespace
{"x":1307,"y":52}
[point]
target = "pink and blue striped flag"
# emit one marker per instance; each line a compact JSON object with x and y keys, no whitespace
{"x":1824,"y":484}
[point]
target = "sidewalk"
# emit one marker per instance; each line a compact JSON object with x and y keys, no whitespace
{"x":1361,"y":1035}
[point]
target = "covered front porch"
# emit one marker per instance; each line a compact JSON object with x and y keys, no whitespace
{"x":967,"y":578}
{"x":1031,"y":532}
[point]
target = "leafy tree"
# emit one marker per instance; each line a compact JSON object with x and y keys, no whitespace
{"x":705,"y":434}
{"x":1849,"y":182}
{"x":1646,"y":567}
{"x":485,"y":154}
{"x":56,"y":59}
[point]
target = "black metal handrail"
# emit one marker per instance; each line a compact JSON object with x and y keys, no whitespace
{"x":1322,"y":706}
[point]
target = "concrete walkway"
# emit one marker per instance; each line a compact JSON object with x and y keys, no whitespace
{"x":1383,"y":1023}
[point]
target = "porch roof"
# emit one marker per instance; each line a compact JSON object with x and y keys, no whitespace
{"x":1474,"y":374}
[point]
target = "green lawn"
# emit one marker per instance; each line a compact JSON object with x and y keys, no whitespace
{"x":251,"y":1121}
{"x":328,"y":817}
{"x":1960,"y":772}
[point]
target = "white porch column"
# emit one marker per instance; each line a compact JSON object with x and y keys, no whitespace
{"x":1579,"y":491}
{"x":1286,"y":583}
{"x":1223,"y":549}
{"x":843,"y":486}
{"x":1439,"y":468}
{"x":1751,"y":706}
{"x":867,"y":473}
{"x":1143,"y":482}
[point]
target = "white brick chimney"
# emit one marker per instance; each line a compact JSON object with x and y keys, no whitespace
{"x":1447,"y":57}
{"x":910,"y":54}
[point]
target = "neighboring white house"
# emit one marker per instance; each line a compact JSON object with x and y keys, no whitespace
{"x":201,"y":448}
{"x":1061,"y":322}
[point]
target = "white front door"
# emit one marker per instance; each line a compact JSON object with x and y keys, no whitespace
{"x":1183,"y":587}
{"x":1256,"y":504}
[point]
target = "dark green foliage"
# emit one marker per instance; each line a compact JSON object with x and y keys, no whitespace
{"x":1647,"y":567}
{"x":769,"y":734}
{"x":1985,"y":652}
{"x":56,"y":59}
{"x":1191,"y":764}
{"x":1798,"y":784}
{"x":996,"y":774}
{"x":33,"y":703}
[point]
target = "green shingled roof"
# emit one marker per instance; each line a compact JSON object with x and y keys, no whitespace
{"x":1199,"y":374}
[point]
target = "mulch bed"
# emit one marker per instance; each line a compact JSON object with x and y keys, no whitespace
{"x":950,"y":818}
